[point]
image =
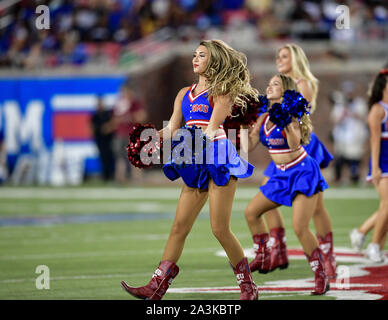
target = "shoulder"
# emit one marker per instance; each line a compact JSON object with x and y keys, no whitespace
{"x":376,"y":112}
{"x":377,"y":108}
{"x":222,"y":99}
{"x":184,"y":90}
{"x":260,"y":119}
{"x":303,"y":84}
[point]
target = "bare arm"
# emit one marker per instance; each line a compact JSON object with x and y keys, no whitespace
{"x":221,"y":109}
{"x":293,"y":134}
{"x":249,"y":140}
{"x":375,"y":117}
{"x":305,"y":89}
{"x":176,"y":117}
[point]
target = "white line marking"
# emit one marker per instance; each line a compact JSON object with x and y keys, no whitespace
{"x":73,"y":255}
{"x":167,"y":193}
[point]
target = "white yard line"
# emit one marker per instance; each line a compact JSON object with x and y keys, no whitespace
{"x":150,"y":194}
{"x":80,"y":255}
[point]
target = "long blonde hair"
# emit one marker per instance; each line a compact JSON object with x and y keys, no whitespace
{"x":305,"y":123}
{"x":227,"y":73}
{"x":301,"y":70}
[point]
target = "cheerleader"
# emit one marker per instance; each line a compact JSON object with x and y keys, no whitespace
{"x":292,"y":61}
{"x":296,"y":180}
{"x":223,"y":82}
{"x":378,"y":164}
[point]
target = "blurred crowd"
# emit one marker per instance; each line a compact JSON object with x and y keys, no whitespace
{"x":349,"y":133}
{"x":100,"y":31}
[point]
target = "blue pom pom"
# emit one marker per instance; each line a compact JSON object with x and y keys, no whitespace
{"x":294,"y":105}
{"x":279,"y":115}
{"x":264,"y":104}
{"x":298,"y":105}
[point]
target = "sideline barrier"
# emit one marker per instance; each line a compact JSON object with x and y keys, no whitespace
{"x":45,"y":125}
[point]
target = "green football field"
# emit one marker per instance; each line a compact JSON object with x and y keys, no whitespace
{"x":91,"y":238}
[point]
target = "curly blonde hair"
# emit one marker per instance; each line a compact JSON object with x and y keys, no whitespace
{"x":227,"y":73}
{"x":305,"y":123}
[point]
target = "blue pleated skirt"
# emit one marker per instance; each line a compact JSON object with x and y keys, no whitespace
{"x":218,"y":161}
{"x":316,"y":149}
{"x":304,"y":177}
{"x":383,"y":161}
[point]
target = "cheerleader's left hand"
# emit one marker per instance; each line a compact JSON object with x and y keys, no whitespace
{"x":293,"y":134}
{"x":209,"y":133}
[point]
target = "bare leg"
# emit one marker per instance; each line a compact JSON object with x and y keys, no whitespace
{"x":380,"y":229}
{"x":303,"y":208}
{"x":256,"y":207}
{"x":302,"y":212}
{"x":321,"y":217}
{"x":220,"y":204}
{"x":273,"y":217}
{"x":190,"y":203}
{"x":368,"y":224}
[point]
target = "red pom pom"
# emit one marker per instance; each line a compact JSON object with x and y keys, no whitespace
{"x":151,"y":147}
{"x":237,"y":118}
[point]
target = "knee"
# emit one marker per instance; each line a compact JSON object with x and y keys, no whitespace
{"x":179,"y":230}
{"x":250,"y":213}
{"x":220,"y":232}
{"x":299,"y":229}
{"x":384,"y":207}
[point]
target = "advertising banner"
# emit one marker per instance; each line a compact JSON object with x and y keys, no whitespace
{"x":45,"y":126}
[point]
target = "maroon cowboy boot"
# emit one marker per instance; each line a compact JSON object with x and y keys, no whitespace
{"x":278,"y":246}
{"x":321,"y":280}
{"x":157,"y":287}
{"x":262,"y":259}
{"x":244,"y":279}
{"x":326,"y":246}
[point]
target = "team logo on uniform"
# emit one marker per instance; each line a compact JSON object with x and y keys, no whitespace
{"x":200,"y":108}
{"x":276,"y":142}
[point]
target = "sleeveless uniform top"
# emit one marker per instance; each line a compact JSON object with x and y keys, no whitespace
{"x":218,"y":160}
{"x":197,"y":110}
{"x":275,"y":140}
{"x":315,"y":148}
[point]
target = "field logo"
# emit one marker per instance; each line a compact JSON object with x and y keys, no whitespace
{"x":42,"y":21}
{"x":359,"y":280}
{"x":42,"y":281}
{"x":343,"y":20}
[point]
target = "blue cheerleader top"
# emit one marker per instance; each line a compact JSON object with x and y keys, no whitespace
{"x":218,"y":160}
{"x":274,"y":138}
